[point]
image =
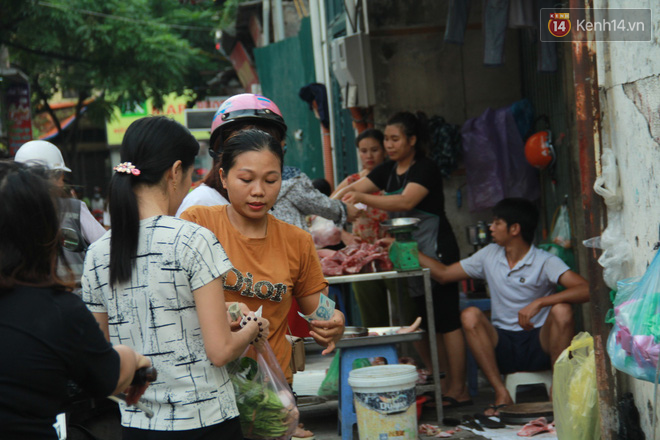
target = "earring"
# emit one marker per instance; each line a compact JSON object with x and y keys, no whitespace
{"x":174,"y":183}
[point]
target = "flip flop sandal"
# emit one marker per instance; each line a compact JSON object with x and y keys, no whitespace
{"x":453,"y":403}
{"x":488,"y":422}
{"x":496,"y":409}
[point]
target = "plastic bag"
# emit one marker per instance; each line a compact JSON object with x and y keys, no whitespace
{"x":574,"y":392}
{"x":560,"y":239}
{"x":330,"y":385}
{"x":494,"y":158}
{"x":265,"y":401}
{"x":566,"y":255}
{"x":324,"y":232}
{"x":607,"y":184}
{"x":561,"y":230}
{"x":617,"y":252}
{"x":634,"y":341}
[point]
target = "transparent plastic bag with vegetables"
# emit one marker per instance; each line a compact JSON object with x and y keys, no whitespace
{"x":265,"y":402}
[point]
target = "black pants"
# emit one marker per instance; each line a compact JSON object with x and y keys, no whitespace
{"x":229,"y":429}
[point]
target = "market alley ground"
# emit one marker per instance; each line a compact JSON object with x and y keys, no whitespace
{"x":321,"y":418}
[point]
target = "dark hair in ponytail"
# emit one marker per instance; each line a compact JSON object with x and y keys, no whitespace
{"x":413,"y":125}
{"x":152,"y":145}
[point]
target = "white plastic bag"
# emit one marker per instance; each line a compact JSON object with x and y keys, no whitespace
{"x":561,"y":230}
{"x":607,"y":184}
{"x":617,"y":252}
{"x":324,"y":232}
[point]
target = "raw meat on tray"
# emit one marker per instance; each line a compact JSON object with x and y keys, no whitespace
{"x":355,"y":258}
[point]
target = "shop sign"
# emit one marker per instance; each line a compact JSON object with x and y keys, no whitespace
{"x":174,"y":107}
{"x":18,"y":115}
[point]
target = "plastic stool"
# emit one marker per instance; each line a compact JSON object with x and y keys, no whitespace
{"x":347,"y":355}
{"x":514,"y":380}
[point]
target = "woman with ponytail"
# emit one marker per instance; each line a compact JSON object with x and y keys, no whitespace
{"x":413,"y":188}
{"x":161,"y":290}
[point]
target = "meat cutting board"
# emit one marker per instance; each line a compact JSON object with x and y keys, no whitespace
{"x":522,"y":413}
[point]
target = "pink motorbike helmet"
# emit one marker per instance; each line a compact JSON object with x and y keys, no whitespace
{"x":242,"y":108}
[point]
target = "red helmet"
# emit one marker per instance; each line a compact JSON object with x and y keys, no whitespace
{"x":538,"y":149}
{"x":244,"y":107}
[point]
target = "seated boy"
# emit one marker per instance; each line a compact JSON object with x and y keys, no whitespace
{"x":530,"y":323}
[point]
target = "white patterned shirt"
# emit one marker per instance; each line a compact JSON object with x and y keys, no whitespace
{"x":154,"y":313}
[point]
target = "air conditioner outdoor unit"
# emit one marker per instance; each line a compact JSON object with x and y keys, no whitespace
{"x":351,"y":64}
{"x":199,"y":119}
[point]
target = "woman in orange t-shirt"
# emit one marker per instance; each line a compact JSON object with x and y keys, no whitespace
{"x":274,"y":262}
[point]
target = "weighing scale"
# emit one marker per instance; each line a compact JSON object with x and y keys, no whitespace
{"x":404,"y":253}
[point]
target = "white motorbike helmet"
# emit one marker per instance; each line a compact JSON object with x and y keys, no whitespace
{"x":41,"y":153}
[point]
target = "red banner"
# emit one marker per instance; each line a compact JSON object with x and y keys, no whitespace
{"x":18,"y":112}
{"x":247,"y":74}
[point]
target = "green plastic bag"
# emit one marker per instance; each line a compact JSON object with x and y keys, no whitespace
{"x":560,"y":238}
{"x":566,"y":255}
{"x":574,"y":391}
{"x":330,"y":385}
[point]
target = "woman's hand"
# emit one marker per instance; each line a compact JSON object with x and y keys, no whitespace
{"x":134,"y":392}
{"x":327,"y":333}
{"x":385,"y":242}
{"x":264,"y":329}
{"x":351,"y":212}
{"x":352,"y":197}
{"x":235,"y":324}
{"x":260,"y":327}
{"x":348,"y":239}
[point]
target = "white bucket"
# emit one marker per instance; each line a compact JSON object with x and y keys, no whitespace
{"x":384,"y":397}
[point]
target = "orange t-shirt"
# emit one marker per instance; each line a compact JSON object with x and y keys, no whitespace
{"x":267,"y":271}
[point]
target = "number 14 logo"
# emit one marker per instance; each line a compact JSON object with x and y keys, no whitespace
{"x":559,"y":24}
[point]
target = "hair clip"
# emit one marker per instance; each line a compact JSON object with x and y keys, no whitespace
{"x":127,"y":168}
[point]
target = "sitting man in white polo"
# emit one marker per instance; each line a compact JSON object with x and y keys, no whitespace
{"x":531,"y":323}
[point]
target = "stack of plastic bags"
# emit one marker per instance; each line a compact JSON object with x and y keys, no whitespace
{"x":634,"y":342}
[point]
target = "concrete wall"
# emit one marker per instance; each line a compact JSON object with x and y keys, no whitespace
{"x":629,"y":76}
{"x":415,"y":70}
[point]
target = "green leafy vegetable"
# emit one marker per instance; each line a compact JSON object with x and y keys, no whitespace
{"x":262,"y":414}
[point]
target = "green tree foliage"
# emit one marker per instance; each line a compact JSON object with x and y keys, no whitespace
{"x":113,"y":50}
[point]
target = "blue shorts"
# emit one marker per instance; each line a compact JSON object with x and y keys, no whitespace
{"x":520,"y":351}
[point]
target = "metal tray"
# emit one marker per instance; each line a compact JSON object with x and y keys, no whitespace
{"x":362,"y":341}
{"x":390,"y":274}
{"x":394,"y":224}
{"x":354,"y":332}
